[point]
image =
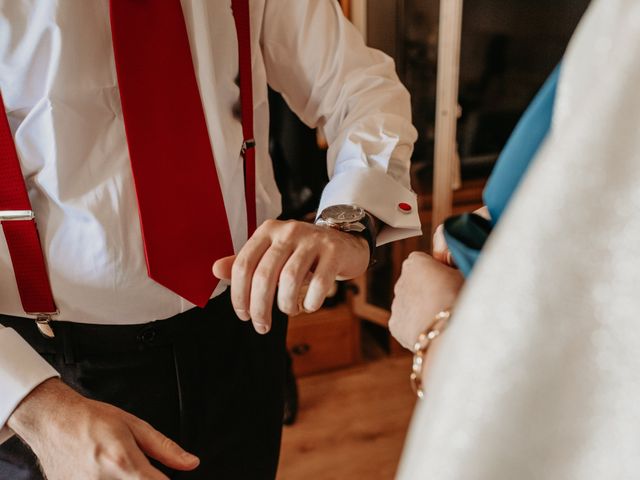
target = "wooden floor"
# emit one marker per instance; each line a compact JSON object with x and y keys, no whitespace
{"x":352,"y":423}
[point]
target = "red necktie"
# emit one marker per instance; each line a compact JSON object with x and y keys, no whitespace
{"x":182,"y":213}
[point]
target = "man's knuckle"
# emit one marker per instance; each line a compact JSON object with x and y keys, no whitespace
{"x":332,"y":265}
{"x":288,"y":277}
{"x":316,"y":235}
{"x":167,"y":444}
{"x":325,"y":282}
{"x":142,"y":423}
{"x":258,"y":314}
{"x":291,"y":225}
{"x":260,"y":277}
{"x":269,"y":224}
{"x":287,"y":307}
{"x":136,"y":474}
{"x":331,"y":250}
{"x":282,"y":245}
{"x":240,"y":265}
{"x":290,"y":230}
{"x":116,"y":456}
{"x":238,"y":297}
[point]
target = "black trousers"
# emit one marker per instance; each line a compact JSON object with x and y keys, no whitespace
{"x":203,"y":378}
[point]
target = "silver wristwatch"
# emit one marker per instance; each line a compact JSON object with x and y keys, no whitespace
{"x":347,"y":218}
{"x":352,"y":219}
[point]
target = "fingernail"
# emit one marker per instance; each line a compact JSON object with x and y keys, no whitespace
{"x":261,"y":328}
{"x":311,"y":305}
{"x":243,"y":315}
{"x":188,"y":457}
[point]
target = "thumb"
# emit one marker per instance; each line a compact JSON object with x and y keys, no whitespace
{"x":222,"y":267}
{"x":440,"y":247}
{"x":163,"y":449}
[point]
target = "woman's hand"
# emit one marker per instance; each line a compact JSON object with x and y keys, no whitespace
{"x":440,"y":249}
{"x":425,"y":288}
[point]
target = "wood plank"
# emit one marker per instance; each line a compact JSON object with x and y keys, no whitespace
{"x":346,"y":4}
{"x":351,"y":425}
{"x":363,"y":309}
{"x":450,"y":29}
{"x":358,"y":10}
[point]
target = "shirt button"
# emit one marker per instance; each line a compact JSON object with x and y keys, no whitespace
{"x":404,"y":207}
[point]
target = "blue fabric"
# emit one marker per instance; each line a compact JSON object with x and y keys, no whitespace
{"x":464,"y":256}
{"x":514,"y":160}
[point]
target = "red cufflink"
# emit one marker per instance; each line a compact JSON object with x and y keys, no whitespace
{"x":404,"y":207}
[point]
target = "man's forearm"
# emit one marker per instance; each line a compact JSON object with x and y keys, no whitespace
{"x":26,"y":419}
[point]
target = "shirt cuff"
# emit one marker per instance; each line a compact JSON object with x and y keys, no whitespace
{"x":381,"y":196}
{"x":21,"y":370}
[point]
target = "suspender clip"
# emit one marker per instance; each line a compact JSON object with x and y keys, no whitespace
{"x":247,"y":144}
{"x":43,"y":322}
{"x":16,"y":215}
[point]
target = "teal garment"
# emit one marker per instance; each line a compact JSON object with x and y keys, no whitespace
{"x":464,"y":239}
{"x":466,"y":233}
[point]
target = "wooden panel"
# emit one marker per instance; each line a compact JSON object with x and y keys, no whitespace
{"x":324,"y":340}
{"x":358,"y":10}
{"x":346,"y":4}
{"x":450,"y":32}
{"x":362,"y":309}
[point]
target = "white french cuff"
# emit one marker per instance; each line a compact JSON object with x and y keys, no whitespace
{"x":21,"y":370}
{"x":381,"y":196}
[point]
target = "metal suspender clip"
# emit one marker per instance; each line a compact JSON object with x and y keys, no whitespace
{"x":43,"y":322}
{"x":16,"y":215}
{"x":43,"y":319}
{"x":247,"y":144}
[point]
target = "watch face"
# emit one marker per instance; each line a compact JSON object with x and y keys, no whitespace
{"x":341,"y":214}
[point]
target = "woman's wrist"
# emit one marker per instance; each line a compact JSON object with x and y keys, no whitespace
{"x":422,"y":347}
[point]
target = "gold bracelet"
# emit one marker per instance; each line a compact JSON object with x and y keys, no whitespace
{"x":421,"y":347}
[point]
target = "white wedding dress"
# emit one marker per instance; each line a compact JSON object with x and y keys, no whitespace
{"x":538,"y":375}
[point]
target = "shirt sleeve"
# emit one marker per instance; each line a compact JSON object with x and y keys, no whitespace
{"x":21,"y":370}
{"x":317,"y":59}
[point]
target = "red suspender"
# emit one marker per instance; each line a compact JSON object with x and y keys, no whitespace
{"x":21,"y":234}
{"x":243,"y":28}
{"x":17,"y":217}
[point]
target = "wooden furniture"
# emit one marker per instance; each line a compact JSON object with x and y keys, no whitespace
{"x":446,"y":160}
{"x":324,"y":340}
{"x":346,"y":7}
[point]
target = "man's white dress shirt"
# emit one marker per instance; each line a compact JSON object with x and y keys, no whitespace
{"x":58,"y":80}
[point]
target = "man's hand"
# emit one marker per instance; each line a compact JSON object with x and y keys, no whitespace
{"x":425,"y":288}
{"x":286,"y":255}
{"x":77,"y":438}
